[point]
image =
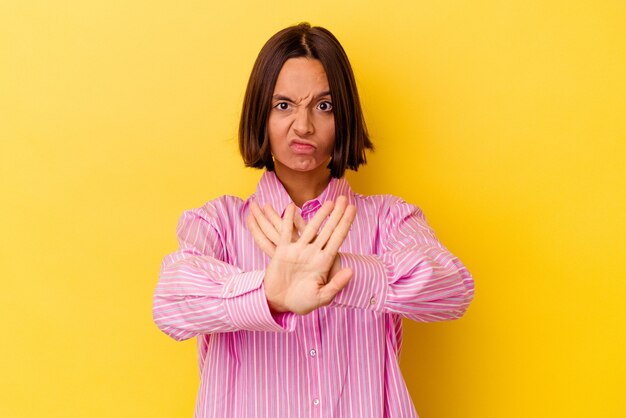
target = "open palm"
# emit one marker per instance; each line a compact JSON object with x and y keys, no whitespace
{"x":296,"y":279}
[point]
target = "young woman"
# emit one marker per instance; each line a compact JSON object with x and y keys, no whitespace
{"x":296,"y":294}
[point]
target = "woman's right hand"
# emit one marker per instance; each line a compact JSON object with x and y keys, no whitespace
{"x":296,"y":279}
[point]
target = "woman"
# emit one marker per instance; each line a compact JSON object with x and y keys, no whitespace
{"x":296,"y":294}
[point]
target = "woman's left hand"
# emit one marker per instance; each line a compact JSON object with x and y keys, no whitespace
{"x":265,"y":225}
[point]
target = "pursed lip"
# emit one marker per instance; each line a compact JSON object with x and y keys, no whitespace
{"x":300,"y":147}
{"x":301,"y":142}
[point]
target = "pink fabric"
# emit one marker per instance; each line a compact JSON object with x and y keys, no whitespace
{"x":338,"y":361}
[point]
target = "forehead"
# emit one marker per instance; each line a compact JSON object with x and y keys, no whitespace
{"x":301,"y":76}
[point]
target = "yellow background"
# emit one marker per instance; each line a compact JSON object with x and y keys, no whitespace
{"x":504,"y":120}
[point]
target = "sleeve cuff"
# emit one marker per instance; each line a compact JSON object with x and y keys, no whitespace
{"x":368,"y":287}
{"x":246,"y":305}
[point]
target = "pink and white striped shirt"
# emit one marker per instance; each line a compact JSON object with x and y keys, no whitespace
{"x":338,"y":361}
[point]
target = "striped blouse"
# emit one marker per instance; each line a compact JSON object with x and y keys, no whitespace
{"x":340,"y":360}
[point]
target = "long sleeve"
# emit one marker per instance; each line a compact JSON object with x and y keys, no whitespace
{"x":414,"y":275}
{"x":199,"y":293}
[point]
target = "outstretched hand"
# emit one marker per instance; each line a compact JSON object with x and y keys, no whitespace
{"x":297,"y":277}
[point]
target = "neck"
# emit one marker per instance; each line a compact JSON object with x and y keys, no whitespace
{"x":303,"y":186}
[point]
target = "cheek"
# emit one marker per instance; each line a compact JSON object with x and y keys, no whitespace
{"x":328,"y":132}
{"x":276,"y":128}
{"x":273,"y":132}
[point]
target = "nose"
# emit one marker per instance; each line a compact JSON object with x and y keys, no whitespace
{"x":303,"y":123}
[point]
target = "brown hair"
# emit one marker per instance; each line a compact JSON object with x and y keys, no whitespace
{"x":351,"y":137}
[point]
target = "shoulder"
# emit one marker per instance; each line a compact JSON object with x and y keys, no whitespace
{"x":217,"y":212}
{"x":399,"y":222}
{"x":386,"y":206}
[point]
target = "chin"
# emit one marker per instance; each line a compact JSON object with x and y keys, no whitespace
{"x":302,"y":164}
{"x":306,"y":165}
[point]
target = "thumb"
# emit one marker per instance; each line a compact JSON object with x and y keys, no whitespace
{"x":335,"y":285}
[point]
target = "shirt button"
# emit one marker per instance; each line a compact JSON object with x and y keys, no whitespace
{"x":316,"y":401}
{"x":373,"y":301}
{"x":313,"y":353}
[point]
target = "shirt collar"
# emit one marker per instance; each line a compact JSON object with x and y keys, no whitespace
{"x":271,"y":190}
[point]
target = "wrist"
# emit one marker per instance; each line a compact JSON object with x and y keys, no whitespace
{"x":274,"y":307}
{"x":273,"y":299}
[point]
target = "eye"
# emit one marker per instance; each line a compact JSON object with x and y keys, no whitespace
{"x":282,"y":106}
{"x":325,"y":106}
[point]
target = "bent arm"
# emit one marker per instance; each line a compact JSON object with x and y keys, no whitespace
{"x":415,"y":275}
{"x":199,"y":293}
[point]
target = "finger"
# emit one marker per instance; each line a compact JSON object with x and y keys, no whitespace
{"x":333,"y":221}
{"x":334,"y":286}
{"x":265,"y":225}
{"x":259,"y":237}
{"x":314,"y":225}
{"x":277,"y":221}
{"x":300,"y":223}
{"x":341,"y":231}
{"x":287,"y":226}
{"x":273,"y":216}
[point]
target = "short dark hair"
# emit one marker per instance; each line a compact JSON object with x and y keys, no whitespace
{"x":302,"y":40}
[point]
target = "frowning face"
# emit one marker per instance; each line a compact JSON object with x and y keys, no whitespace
{"x":301,"y":124}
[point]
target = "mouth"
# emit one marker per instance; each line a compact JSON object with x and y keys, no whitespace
{"x":301,"y":147}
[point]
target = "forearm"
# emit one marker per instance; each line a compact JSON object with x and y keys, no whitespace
{"x":199,"y":296}
{"x":426,"y":284}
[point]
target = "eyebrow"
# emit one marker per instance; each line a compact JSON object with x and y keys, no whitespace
{"x":281,"y":97}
